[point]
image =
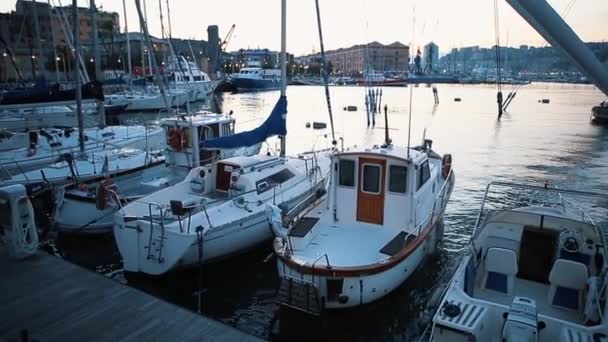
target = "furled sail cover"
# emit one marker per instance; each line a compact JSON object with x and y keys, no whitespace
{"x":274,"y":125}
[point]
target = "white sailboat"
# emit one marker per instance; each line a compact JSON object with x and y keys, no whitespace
{"x":20,"y":152}
{"x":223,"y":208}
{"x":182,"y":135}
{"x":186,"y":75}
{"x":535,"y":272}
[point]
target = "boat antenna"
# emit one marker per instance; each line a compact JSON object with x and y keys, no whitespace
{"x":387,"y":139}
{"x":409,"y":124}
{"x":283,"y":63}
{"x":325,"y":76}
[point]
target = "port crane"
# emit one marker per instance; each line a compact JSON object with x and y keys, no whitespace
{"x":224,"y":42}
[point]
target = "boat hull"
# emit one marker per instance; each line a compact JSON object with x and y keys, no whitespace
{"x":364,"y":285}
{"x":249,"y":84}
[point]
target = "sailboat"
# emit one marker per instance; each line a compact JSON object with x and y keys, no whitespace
{"x":149,"y":173}
{"x":223,"y":208}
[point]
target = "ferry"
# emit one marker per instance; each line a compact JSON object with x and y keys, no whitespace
{"x":257,"y":78}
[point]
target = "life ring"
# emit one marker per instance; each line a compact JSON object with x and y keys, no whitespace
{"x":104,"y":189}
{"x":176,"y":138}
{"x":446,"y":165}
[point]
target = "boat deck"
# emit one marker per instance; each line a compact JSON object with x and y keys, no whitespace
{"x":348,"y":245}
{"x":55,"y":300}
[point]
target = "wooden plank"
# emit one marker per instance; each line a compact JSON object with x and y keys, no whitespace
{"x":56,"y":300}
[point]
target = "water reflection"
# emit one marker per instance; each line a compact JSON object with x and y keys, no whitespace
{"x":533,"y":142}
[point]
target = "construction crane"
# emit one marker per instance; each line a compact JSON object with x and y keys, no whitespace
{"x":224,"y":42}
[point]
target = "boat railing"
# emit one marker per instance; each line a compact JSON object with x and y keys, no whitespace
{"x":538,"y":190}
{"x":440,"y":200}
{"x":162,"y":231}
{"x":327,"y":265}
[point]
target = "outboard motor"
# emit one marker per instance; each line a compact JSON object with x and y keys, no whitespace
{"x":521,"y":323}
{"x":17,"y":227}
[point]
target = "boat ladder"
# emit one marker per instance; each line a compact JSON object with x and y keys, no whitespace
{"x":299,"y":295}
{"x":156,"y":243}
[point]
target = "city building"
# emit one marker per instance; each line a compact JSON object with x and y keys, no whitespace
{"x":357,"y":59}
{"x":430,"y":57}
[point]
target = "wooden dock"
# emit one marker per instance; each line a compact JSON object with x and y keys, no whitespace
{"x":55,"y":300}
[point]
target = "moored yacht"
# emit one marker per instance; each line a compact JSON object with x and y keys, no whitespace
{"x":254,"y":78}
{"x":535,"y":272}
{"x":381,"y":217}
{"x":186,"y":75}
{"x":98,"y":198}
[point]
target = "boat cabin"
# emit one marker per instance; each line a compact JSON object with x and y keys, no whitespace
{"x":185,"y":133}
{"x":381,"y":186}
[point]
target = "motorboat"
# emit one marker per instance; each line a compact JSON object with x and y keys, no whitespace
{"x":599,"y":114}
{"x":186,"y":75}
{"x":253,"y":78}
{"x":535,"y":270}
{"x":97,"y":199}
{"x":381,"y":218}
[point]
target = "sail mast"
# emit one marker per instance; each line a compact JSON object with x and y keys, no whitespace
{"x":78,"y":89}
{"x":124,"y":10}
{"x":283,"y":62}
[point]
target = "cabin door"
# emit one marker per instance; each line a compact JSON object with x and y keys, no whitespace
{"x":370,"y":193}
{"x":222,"y":180}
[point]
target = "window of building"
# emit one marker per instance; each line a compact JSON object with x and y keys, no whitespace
{"x":397,"y":179}
{"x":347,"y":172}
{"x":371,"y":178}
{"x":424,"y":173}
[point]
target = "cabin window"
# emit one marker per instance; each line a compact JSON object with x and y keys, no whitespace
{"x":424,"y":173}
{"x":371,"y":178}
{"x":347,"y":172}
{"x":397,"y":179}
{"x":269,"y":182}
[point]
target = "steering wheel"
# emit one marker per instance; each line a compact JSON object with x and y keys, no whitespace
{"x":571,"y":241}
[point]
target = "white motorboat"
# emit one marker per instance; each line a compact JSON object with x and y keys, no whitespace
{"x":186,"y":75}
{"x":225,"y":207}
{"x":183,"y":134}
{"x":535,"y":272}
{"x":150,"y":99}
{"x":20,"y":152}
{"x":381,"y":218}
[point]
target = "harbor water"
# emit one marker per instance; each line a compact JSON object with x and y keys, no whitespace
{"x":532,"y":142}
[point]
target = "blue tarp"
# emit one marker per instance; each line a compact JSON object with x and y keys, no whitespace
{"x":274,"y":125}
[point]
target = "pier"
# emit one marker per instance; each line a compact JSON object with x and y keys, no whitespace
{"x":50,"y":299}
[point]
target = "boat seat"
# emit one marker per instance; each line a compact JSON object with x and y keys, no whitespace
{"x":568,"y":281}
{"x":500,"y":270}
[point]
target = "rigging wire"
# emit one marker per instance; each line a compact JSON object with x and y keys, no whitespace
{"x":325,"y":75}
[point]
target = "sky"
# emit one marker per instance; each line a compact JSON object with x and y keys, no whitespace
{"x":449,"y":23}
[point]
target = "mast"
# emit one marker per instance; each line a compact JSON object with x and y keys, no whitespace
{"x":37,"y":32}
{"x":96,"y":56}
{"x":124,"y":9}
{"x":53,"y":41}
{"x":283,"y":62}
{"x":78,"y":89}
{"x":325,"y":75}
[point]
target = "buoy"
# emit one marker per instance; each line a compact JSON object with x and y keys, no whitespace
{"x":319,"y":125}
{"x":308,"y":125}
{"x":350,"y":108}
{"x":457,"y":99}
{"x":545,"y":101}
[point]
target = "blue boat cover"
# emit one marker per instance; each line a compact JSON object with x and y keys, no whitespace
{"x":274,"y":125}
